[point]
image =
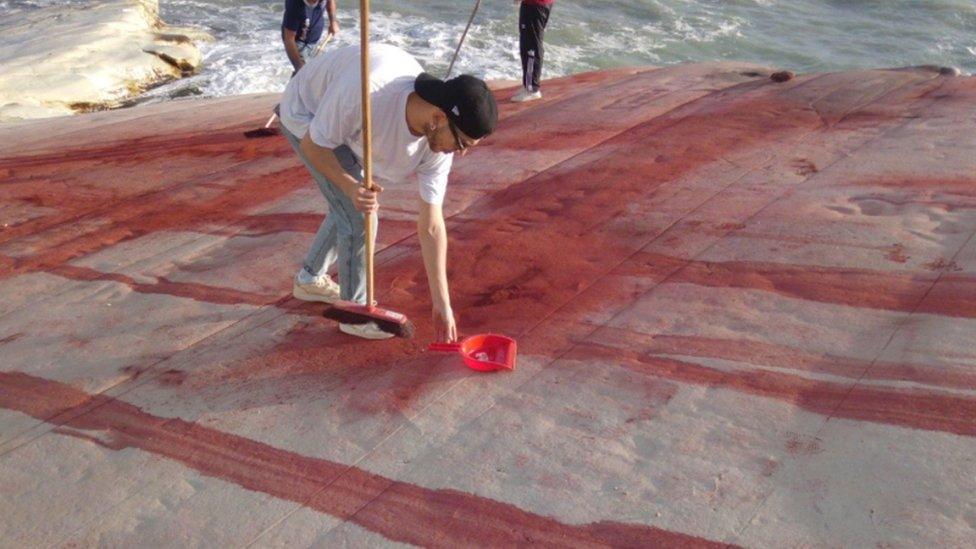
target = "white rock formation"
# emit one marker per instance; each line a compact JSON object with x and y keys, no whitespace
{"x":64,"y":59}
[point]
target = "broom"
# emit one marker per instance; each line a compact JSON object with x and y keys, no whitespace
{"x":348,"y":312}
{"x":267,"y":130}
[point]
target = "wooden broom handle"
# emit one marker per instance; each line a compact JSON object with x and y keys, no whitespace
{"x":461,"y":41}
{"x":367,"y":138}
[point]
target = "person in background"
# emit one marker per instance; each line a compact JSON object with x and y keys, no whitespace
{"x":302,"y":26}
{"x":533,"y":16}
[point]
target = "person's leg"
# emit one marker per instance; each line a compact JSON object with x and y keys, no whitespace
{"x":341,"y":237}
{"x":540,"y":19}
{"x":351,"y":245}
{"x":527,"y":44}
{"x":532,"y":24}
{"x":349,"y":242}
{"x":322,"y":254}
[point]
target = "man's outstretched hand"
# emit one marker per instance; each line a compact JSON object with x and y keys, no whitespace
{"x":445,"y":328}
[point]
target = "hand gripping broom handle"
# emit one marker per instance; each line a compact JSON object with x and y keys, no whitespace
{"x":367,"y":136}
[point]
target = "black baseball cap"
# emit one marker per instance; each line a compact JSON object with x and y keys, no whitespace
{"x":466,"y":100}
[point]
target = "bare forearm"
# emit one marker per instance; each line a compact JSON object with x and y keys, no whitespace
{"x":291,"y":48}
{"x":433,"y":246}
{"x":330,"y":8}
{"x":325,"y":162}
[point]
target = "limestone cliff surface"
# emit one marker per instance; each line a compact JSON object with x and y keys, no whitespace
{"x":68,"y":58}
{"x":744,"y":310}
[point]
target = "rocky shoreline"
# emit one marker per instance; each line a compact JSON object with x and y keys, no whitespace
{"x":68,"y":59}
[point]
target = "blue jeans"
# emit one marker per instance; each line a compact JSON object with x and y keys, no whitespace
{"x":341,"y":239}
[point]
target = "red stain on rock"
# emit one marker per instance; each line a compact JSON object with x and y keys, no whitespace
{"x":529,"y":248}
{"x":11,"y":338}
{"x":186,"y":207}
{"x":803,"y":445}
{"x":203,"y":144}
{"x":396,"y":510}
{"x":768,"y":467}
{"x":954,"y":295}
{"x":172,"y":377}
{"x":804,"y":167}
{"x":843,"y":286}
{"x":897,"y":254}
{"x":307,"y":357}
{"x":265,"y":224}
{"x":942,"y":264}
{"x":162,"y":286}
{"x":133,"y":371}
{"x":955,"y":376}
{"x":915,"y":408}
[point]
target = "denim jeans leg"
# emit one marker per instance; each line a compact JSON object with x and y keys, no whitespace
{"x":342,"y":236}
{"x":322,"y":255}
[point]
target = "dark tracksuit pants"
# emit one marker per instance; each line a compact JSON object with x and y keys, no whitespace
{"x":532,"y":25}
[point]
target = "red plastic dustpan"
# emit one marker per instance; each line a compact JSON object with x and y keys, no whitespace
{"x":483,"y":352}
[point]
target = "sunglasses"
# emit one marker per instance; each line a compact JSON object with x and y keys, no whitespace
{"x":457,"y":136}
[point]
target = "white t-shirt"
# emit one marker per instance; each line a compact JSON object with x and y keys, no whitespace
{"x":325,"y":99}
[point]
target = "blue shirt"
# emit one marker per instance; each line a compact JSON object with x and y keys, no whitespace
{"x":308,"y":23}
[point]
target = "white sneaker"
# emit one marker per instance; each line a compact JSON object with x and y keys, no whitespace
{"x":315,"y":288}
{"x":525,"y":95}
{"x":366,"y":331}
